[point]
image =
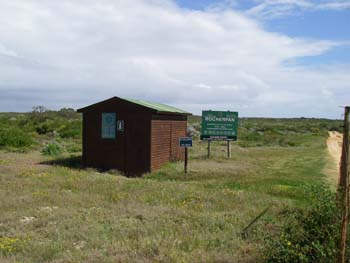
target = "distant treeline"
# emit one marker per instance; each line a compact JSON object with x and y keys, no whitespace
{"x":255,"y":132}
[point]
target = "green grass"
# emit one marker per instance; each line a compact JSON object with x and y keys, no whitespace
{"x":51,"y":211}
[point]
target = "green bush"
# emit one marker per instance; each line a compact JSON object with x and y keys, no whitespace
{"x":43,"y":128}
{"x":15,"y":137}
{"x":52,"y":149}
{"x":307,"y":235}
{"x":72,"y":129}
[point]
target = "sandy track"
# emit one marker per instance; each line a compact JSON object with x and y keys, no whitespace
{"x":334,"y":145}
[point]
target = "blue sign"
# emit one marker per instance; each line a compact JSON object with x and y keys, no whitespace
{"x":185,"y":142}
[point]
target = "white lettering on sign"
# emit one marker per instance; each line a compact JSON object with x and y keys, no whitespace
{"x":223,"y":119}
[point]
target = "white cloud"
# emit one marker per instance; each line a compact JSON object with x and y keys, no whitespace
{"x":336,"y":5}
{"x":6,"y":52}
{"x":271,"y":9}
{"x":71,"y":53}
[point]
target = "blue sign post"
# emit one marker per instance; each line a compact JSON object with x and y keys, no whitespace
{"x":185,"y":142}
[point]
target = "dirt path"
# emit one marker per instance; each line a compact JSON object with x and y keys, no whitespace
{"x":334,"y":144}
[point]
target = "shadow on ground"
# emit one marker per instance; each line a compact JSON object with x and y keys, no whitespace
{"x":74,"y":162}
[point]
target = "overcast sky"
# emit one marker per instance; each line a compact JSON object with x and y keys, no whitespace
{"x":270,"y":58}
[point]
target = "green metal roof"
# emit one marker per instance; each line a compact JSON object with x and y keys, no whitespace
{"x":156,"y":106}
{"x":162,"y":108}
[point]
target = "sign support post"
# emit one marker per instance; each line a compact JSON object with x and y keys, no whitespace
{"x":209,"y":141}
{"x":186,"y":159}
{"x":228,"y":149}
{"x":185,"y":142}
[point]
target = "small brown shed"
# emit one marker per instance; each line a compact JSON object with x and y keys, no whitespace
{"x":131,"y":135}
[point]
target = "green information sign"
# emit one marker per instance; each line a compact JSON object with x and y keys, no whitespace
{"x":219,"y":125}
{"x":108,"y":125}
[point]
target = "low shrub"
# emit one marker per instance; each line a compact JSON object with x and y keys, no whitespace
{"x":307,"y":235}
{"x":72,"y":129}
{"x":52,"y":149}
{"x":43,"y":128}
{"x":15,"y":137}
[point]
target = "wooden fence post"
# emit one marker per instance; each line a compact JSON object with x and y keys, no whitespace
{"x":343,"y":189}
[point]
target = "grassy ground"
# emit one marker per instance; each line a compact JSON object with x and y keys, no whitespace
{"x":60,"y":213}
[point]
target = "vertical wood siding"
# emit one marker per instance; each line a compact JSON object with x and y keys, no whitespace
{"x":165,"y":141}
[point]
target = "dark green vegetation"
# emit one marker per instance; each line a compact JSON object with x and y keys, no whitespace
{"x":32,"y":131}
{"x":53,"y":211}
{"x":14,"y":137}
{"x":308,"y":234}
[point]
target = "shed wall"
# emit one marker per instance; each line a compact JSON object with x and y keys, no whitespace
{"x":165,"y":141}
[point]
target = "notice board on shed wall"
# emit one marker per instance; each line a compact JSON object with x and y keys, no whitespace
{"x":108,"y":125}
